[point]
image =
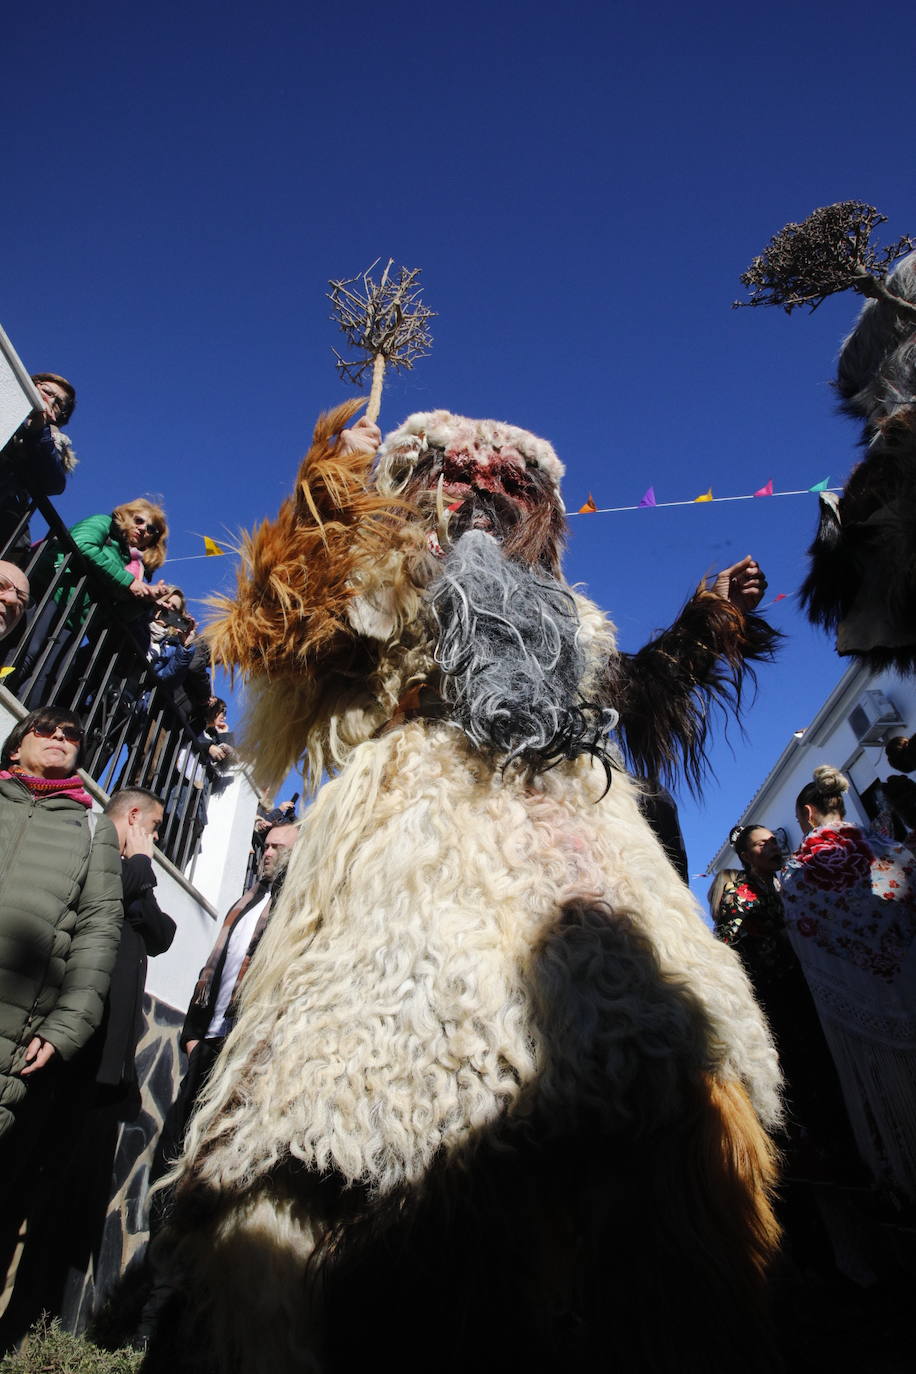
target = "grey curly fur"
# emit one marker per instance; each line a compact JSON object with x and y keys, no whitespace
{"x":876,"y":371}
{"x":509,"y":649}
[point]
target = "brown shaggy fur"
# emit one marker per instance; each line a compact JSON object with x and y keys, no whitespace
{"x":296,"y":573}
{"x":742,"y":1167}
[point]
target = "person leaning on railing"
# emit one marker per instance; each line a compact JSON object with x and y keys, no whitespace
{"x":180,"y":658}
{"x":36,"y":461}
{"x":124,"y":549}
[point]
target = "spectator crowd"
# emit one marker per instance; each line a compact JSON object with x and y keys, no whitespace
{"x":89,"y":624}
{"x":79,"y":917}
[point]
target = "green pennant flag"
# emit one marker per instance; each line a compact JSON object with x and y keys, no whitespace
{"x":821,"y":486}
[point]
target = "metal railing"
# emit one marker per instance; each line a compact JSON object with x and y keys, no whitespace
{"x":76,"y":649}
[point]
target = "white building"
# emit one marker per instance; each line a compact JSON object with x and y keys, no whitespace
{"x":849,"y":731}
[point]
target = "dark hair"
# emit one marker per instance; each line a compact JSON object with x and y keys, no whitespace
{"x":217,"y":707}
{"x":65,"y":386}
{"x":126,"y":797}
{"x":45,"y":715}
{"x":825,"y":793}
{"x":901,"y":793}
{"x":739,"y":837}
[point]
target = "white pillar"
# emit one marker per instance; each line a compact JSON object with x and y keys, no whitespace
{"x":218,"y":869}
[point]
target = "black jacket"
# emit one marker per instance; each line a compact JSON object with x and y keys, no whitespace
{"x":147,"y":932}
{"x":31,"y":463}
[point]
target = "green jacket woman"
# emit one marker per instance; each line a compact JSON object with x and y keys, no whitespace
{"x":123,"y":549}
{"x":60,"y":904}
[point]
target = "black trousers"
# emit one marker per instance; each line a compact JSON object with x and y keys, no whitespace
{"x":171,"y":1141}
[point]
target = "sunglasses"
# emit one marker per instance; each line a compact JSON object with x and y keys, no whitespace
{"x":69,"y":732}
{"x":150,"y":526}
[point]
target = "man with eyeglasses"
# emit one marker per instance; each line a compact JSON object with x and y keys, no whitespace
{"x":14,"y":596}
{"x":35,"y":462}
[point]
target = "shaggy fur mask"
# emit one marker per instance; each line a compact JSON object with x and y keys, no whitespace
{"x":477,"y":474}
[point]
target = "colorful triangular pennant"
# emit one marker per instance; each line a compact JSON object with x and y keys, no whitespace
{"x":766,"y":489}
{"x":211,"y":548}
{"x":707,"y":496}
{"x":648,"y":499}
{"x":589,"y":506}
{"x":821,"y":486}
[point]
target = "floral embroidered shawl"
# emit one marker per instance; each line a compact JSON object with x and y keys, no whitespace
{"x":850,"y":910}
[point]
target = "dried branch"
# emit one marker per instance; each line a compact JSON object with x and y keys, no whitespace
{"x":828,"y":252}
{"x":384,"y":321}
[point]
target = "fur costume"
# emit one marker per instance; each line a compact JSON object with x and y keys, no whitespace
{"x":862,"y":580}
{"x":494,"y":1088}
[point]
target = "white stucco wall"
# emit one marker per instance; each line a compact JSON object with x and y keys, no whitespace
{"x":828,"y":739}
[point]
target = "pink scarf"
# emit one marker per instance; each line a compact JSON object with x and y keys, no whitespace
{"x":50,"y":787}
{"x":134,"y":564}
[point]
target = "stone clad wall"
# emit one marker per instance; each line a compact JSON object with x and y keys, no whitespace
{"x":159,"y":1067}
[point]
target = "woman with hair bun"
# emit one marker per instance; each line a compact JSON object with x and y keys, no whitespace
{"x":850,"y":905}
{"x":750,"y":917}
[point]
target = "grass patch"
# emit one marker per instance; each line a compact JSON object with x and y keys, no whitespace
{"x":49,"y":1350}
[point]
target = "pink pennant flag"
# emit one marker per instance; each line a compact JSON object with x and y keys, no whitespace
{"x":781,"y":597}
{"x":766,"y":490}
{"x":648,"y":499}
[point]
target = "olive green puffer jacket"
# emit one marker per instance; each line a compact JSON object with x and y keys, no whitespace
{"x":60,"y":920}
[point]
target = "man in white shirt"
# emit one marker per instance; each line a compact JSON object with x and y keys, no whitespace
{"x":211,"y":1014}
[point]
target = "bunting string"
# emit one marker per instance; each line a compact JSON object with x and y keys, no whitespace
{"x":590,"y":508}
{"x":213,"y":549}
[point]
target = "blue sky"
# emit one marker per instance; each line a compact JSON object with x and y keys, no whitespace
{"x":582,"y":186}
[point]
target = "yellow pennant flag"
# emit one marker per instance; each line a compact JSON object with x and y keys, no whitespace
{"x":211,"y":548}
{"x":5,"y":672}
{"x":589,"y":506}
{"x":707,"y":497}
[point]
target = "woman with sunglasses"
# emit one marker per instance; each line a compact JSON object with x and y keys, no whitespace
{"x":60,"y":922}
{"x":123,"y":550}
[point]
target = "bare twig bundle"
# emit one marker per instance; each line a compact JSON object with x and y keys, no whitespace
{"x":384,"y":321}
{"x":830,"y":251}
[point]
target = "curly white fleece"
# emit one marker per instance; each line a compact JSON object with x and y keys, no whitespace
{"x":388,"y":1011}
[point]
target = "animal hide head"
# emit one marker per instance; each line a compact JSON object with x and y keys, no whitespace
{"x":478,"y":474}
{"x":862,"y":578}
{"x":862,"y":575}
{"x":876,"y":372}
